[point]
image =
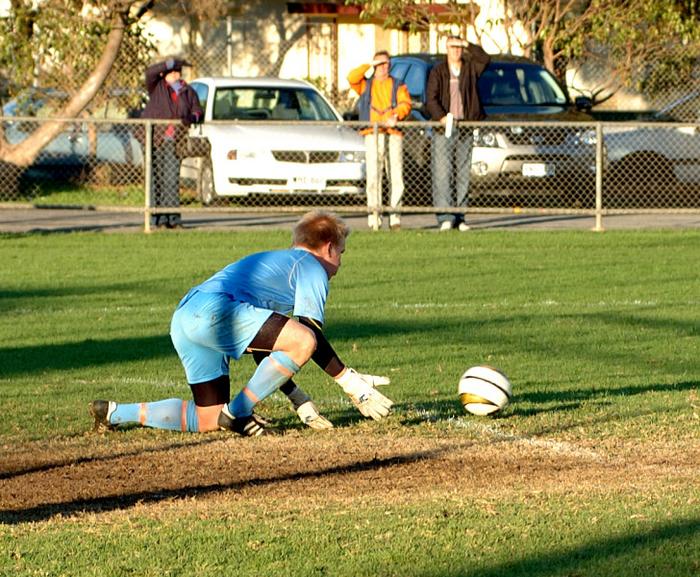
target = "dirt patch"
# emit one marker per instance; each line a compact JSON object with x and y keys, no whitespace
{"x":95,"y":474}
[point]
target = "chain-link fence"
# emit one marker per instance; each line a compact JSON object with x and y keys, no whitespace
{"x":584,"y":167}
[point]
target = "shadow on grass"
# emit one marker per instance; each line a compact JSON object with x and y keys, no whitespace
{"x":121,"y":502}
{"x":88,"y":353}
{"x":34,"y":297}
{"x":443,"y":409}
{"x":114,"y":456}
{"x":574,"y":399}
{"x":587,"y":557}
{"x":17,"y":361}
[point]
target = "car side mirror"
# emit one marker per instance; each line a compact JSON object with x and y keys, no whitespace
{"x":350,"y":116}
{"x":583,"y":103}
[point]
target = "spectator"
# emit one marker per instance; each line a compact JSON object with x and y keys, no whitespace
{"x":383,"y":101}
{"x":169,"y":97}
{"x":452,"y":96}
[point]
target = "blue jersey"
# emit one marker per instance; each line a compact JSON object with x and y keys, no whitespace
{"x":290,"y":281}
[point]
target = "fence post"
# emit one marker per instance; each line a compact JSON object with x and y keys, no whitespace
{"x":598,"y":177}
{"x":148,"y":175}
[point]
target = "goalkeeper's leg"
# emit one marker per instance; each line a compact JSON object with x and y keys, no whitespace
{"x":292,"y":345}
{"x":199,"y":415}
{"x":171,"y":414}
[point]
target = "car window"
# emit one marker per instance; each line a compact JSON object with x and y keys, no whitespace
{"x":504,"y":84}
{"x":202,"y":91}
{"x":415,"y":80}
{"x":258,"y":103}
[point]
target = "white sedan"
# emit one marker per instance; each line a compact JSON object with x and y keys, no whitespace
{"x":267,"y":137}
{"x":660,"y":155}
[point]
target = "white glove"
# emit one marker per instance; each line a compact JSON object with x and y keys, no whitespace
{"x":309,"y":415}
{"x":373,"y":380}
{"x":360,"y":388}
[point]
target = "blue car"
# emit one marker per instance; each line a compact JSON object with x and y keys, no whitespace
{"x":80,"y":147}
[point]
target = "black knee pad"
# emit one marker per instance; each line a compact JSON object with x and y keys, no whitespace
{"x":209,"y":393}
{"x":268,"y":333}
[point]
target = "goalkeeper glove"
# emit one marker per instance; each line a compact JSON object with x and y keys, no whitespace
{"x":309,"y":415}
{"x":307,"y":411}
{"x":360,"y":388}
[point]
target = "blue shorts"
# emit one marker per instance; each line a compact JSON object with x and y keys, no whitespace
{"x":209,"y":328}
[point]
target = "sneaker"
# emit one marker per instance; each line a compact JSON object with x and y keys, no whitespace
{"x":101,"y":411}
{"x":374,"y":221}
{"x":251,"y":426}
{"x":463,"y":227}
{"x":446,"y":225}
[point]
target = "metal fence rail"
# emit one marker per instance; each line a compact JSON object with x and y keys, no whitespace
{"x":593,"y":168}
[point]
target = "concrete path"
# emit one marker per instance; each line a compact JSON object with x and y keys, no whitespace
{"x":15,"y":220}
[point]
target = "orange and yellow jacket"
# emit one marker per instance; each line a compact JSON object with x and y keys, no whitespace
{"x":381,"y":107}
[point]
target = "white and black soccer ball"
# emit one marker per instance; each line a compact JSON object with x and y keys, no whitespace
{"x":484,"y":390}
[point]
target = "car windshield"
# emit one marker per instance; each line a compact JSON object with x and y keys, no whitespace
{"x":258,"y":103}
{"x":35,"y":103}
{"x":505,"y":84}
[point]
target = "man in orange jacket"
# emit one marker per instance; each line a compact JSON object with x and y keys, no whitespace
{"x":383,"y":102}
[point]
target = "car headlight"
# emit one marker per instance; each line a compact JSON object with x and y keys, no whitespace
{"x":352,"y":156}
{"x":485,"y":138}
{"x":587,"y":137}
{"x":241,"y":154}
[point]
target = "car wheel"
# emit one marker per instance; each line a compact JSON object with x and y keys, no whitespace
{"x":207,"y":191}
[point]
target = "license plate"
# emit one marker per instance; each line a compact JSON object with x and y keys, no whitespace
{"x":307,"y":183}
{"x":538,"y":169}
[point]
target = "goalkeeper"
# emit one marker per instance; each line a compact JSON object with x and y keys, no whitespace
{"x":247,"y":307}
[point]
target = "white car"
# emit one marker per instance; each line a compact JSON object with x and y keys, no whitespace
{"x":260,"y":144}
{"x":664,"y":156}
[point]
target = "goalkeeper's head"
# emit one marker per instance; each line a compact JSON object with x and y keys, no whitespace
{"x":322,"y":234}
{"x":318,"y":228}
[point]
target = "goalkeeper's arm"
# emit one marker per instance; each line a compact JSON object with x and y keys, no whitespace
{"x":359,"y":387}
{"x":324,"y":355}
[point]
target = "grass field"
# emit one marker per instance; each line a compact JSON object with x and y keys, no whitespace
{"x":593,"y":470}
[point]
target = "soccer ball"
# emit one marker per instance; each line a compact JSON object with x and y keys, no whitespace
{"x":484,"y":390}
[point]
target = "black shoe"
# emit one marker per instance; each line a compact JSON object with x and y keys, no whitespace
{"x":100,"y":411}
{"x":251,"y":426}
{"x":174,"y":221}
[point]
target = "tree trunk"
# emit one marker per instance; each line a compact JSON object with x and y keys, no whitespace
{"x":548,"y":55}
{"x":24,"y":153}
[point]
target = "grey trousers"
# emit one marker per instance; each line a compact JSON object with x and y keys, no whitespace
{"x":165,"y":191}
{"x":451,"y":166}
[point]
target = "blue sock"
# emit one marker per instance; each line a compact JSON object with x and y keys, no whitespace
{"x":272,"y":373}
{"x":171,"y":414}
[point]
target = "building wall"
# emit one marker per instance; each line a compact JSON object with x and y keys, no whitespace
{"x":264,"y":39}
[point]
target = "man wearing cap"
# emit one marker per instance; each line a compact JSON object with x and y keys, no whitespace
{"x":169,"y":97}
{"x":383,"y":102}
{"x":452,"y":96}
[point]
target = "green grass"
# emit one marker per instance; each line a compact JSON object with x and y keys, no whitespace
{"x":597,"y":332}
{"x":44,"y":192}
{"x":448,"y":540}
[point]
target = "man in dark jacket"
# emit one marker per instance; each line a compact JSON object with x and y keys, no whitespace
{"x":452,"y":96}
{"x":169,"y":97}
